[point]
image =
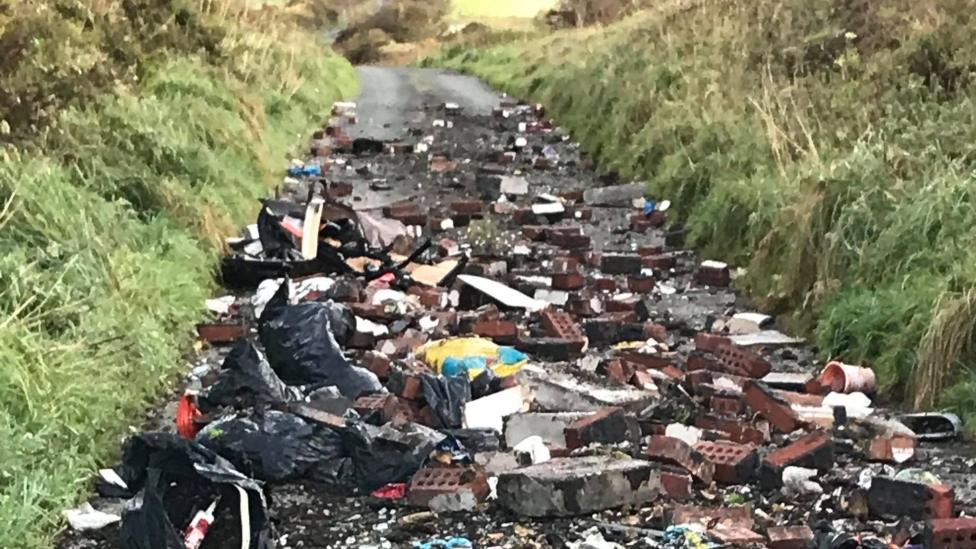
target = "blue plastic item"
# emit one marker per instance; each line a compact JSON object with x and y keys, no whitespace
{"x":452,"y":543}
{"x":460,"y":366}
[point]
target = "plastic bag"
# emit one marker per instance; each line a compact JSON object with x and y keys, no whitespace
{"x":277,"y":446}
{"x":275,"y":241}
{"x":471,"y":355}
{"x":246,"y":379}
{"x":388,"y":454}
{"x":171,"y":479}
{"x":446,"y":397}
{"x":302,"y":342}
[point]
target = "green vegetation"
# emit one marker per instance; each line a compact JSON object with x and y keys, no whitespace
{"x":115,"y":193}
{"x":827,"y":146}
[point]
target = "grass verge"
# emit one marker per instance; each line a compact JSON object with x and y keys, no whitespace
{"x":826,"y":146}
{"x":111,"y":216}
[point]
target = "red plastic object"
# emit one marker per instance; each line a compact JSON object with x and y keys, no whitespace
{"x":186,"y":415}
{"x":395,"y":490}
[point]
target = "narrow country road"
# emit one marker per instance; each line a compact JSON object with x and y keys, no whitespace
{"x":627,"y":387}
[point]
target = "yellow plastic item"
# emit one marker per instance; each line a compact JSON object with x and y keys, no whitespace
{"x":436,"y":352}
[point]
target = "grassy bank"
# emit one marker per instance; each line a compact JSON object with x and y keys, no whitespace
{"x":111,"y":211}
{"x":826,"y":146}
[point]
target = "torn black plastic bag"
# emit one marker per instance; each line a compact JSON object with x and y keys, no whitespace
{"x":446,"y":396}
{"x":382,"y":455}
{"x":276,"y":446}
{"x":275,"y":241}
{"x":302,"y":347}
{"x":173,"y":478}
{"x":246,"y":380}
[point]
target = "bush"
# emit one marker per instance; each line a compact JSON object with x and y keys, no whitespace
{"x":826,"y":146}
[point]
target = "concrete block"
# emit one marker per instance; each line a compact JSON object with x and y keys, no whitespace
{"x":556,"y":391}
{"x":549,"y":426}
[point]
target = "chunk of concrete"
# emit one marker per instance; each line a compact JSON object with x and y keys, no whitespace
{"x":490,"y":412}
{"x":556,"y":391}
{"x":578,"y":486}
{"x":549,"y":426}
{"x":615,"y":195}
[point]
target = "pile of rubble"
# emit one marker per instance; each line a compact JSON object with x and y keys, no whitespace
{"x":470,"y":321}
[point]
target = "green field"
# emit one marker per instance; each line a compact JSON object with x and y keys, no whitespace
{"x":827,"y":147}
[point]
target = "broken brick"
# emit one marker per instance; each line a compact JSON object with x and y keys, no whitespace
{"x":221,"y":332}
{"x":524,"y":216}
{"x":499,"y":331}
{"x":570,"y":241}
{"x":779,"y":414}
{"x":737,"y":430}
{"x":616,"y":369}
{"x":676,"y":485}
{"x":662,"y":262}
{"x":742,"y":362}
{"x":604,"y":284}
{"x":951,"y":533}
{"x":736,"y":536}
{"x":610,"y":425}
{"x":813,"y":451}
{"x":643,"y":380}
{"x":889,"y":497}
{"x":572,"y":280}
{"x":641,"y":284}
{"x":535,"y":233}
{"x":561,"y":325}
{"x":734,"y":463}
{"x":468,"y":207}
{"x":677,"y":452}
{"x":431,"y":482}
{"x":378,"y":363}
{"x":710,"y":342}
{"x":381,"y":406}
{"x":891,"y":449}
{"x":790,"y":537}
{"x":728,"y":405}
{"x":656,"y":331}
{"x":713,"y":273}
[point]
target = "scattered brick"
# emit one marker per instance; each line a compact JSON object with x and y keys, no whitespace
{"x":729,"y":405}
{"x":309,"y":413}
{"x":734,"y":463}
{"x":617,"y":369}
{"x":378,"y":363}
{"x":221,"y":332}
{"x":609,"y":425}
{"x":891,"y":449}
{"x":468,"y":207}
{"x":677,"y":452}
{"x":736,"y":429}
{"x":713,"y":273}
{"x":779,"y":414}
{"x":560,"y":324}
{"x":430,"y":482}
{"x":889,"y":497}
{"x":500,"y":331}
{"x":381,"y":406}
{"x":604,"y":284}
{"x":641,"y":284}
{"x":572,"y":280}
{"x":643,"y":380}
{"x":742,"y":362}
{"x":736,"y":536}
{"x":570,"y":241}
{"x":676,"y":485}
{"x":710,"y":342}
{"x":790,"y":537}
{"x":662,"y":262}
{"x":951,"y":533}
{"x":814,"y":451}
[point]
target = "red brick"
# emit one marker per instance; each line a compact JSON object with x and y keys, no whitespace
{"x":581,"y":213}
{"x":677,"y":452}
{"x":737,"y":430}
{"x":338,"y":189}
{"x":734,"y":514}
{"x":647,"y":251}
{"x":609,"y":425}
{"x":951,"y":533}
{"x":400,"y":148}
{"x":400,"y":209}
{"x":662,"y":262}
{"x":776,"y":411}
{"x":617,"y":369}
{"x":500,"y":331}
{"x":570,"y":241}
{"x":571,"y":280}
{"x":742,"y":362}
{"x":814,"y":451}
{"x":468,"y":207}
{"x":790,"y":537}
{"x":523,"y":216}
{"x":627,"y":305}
{"x":712,"y":276}
{"x":639,"y":223}
{"x":430,"y":297}
{"x":384,"y":405}
{"x":565,"y":264}
{"x":441,"y":164}
{"x":221,"y":332}
{"x":641,"y":284}
{"x":885,"y":448}
{"x":535,"y":233}
{"x":656,"y":331}
{"x":728,"y":405}
{"x":710,"y":342}
{"x":645,"y":361}
{"x":430,"y":482}
{"x":378,"y":363}
{"x":560,"y":324}
{"x":541,"y":163}
{"x":305,"y":411}
{"x":676,"y":485}
{"x":736,"y":536}
{"x":643,"y":380}
{"x":604,"y":284}
{"x":799,"y":399}
{"x":412,"y":388}
{"x":734,"y":463}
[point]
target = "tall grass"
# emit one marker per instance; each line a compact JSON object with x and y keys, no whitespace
{"x":111,"y":214}
{"x":827,"y":146}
